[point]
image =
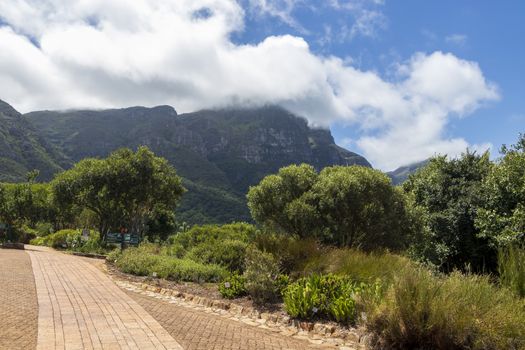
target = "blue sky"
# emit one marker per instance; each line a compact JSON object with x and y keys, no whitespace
{"x":487,"y":32}
{"x":396,"y":81}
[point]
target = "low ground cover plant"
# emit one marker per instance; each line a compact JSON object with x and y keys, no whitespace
{"x":323,"y":296}
{"x":142,"y":261}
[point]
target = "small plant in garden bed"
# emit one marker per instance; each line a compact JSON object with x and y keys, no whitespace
{"x":329,"y":296}
{"x":233,"y":287}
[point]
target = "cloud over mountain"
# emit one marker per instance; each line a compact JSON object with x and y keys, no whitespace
{"x":58,"y":54}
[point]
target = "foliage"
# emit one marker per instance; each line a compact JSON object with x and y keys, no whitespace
{"x":346,"y":206}
{"x":423,"y":311}
{"x":233,"y":287}
{"x":262,"y":276}
{"x":61,"y":239}
{"x":124,"y":189}
{"x":292,"y":253}
{"x":323,"y":296}
{"x":143,"y":262}
{"x":227,"y":253}
{"x":212,"y":233}
{"x":114,"y":255}
{"x":511,"y":268}
{"x":446,"y":194}
{"x":501,"y":216}
{"x":359,"y":266}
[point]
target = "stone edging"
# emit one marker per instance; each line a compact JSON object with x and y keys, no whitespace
{"x":12,"y":246}
{"x":316,"y":333}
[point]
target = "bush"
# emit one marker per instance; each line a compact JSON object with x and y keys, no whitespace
{"x":423,"y":311}
{"x":233,"y":287}
{"x":114,"y":255}
{"x":212,"y":233}
{"x":60,"y":239}
{"x":327,"y":296}
{"x":358,"y":265}
{"x":141,"y":261}
{"x":291,"y":252}
{"x":262,"y":273}
{"x":227,"y":253}
{"x":511,"y":266}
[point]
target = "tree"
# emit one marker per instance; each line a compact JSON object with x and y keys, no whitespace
{"x":360,"y":208}
{"x":501,"y":216}
{"x":275,"y":200}
{"x":447,"y":193}
{"x":124,"y":189}
{"x":346,"y":206}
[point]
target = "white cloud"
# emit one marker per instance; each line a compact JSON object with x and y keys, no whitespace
{"x":113,"y":53}
{"x":457,"y":39}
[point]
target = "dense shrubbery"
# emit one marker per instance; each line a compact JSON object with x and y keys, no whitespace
{"x":262,"y":276}
{"x":143,"y":261}
{"x":423,"y":311}
{"x":61,"y":239}
{"x":350,"y":206}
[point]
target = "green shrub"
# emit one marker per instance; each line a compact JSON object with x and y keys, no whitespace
{"x":60,"y":239}
{"x":227,"y":253}
{"x":511,"y":266}
{"x":262,"y":272}
{"x":423,"y":311}
{"x":233,"y":287}
{"x":141,"y":261}
{"x":211,"y":233}
{"x":329,"y":296}
{"x":114,"y":255}
{"x":292,"y":253}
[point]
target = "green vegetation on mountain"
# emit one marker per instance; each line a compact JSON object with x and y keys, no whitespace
{"x":218,"y":153}
{"x":22,"y":149}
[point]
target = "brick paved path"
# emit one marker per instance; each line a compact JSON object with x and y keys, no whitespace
{"x":198,"y":330}
{"x":81,"y":308}
{"x":18,"y":303}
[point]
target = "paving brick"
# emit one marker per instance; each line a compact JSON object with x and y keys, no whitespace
{"x":18,"y":301}
{"x":80,"y":307}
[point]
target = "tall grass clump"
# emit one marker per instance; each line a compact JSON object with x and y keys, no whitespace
{"x":359,"y":266}
{"x":511,"y":268}
{"x":424,"y":311}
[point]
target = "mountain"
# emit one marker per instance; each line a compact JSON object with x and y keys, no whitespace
{"x":22,"y":149}
{"x":219,"y":153}
{"x":401,"y":174}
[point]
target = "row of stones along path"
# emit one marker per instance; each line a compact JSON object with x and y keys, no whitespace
{"x":50,"y":300}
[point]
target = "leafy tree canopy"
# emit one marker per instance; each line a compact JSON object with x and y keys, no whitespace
{"x":501,"y":218}
{"x":346,"y":206}
{"x":447,"y":193}
{"x":124,"y":189}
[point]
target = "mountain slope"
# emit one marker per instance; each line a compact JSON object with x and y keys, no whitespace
{"x":22,"y":149}
{"x":219,"y":153}
{"x":401,"y":174}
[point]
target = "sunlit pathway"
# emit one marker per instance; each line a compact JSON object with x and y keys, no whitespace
{"x":79,"y":307}
{"x":18,"y":302}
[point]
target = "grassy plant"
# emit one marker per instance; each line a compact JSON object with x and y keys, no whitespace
{"x":511,"y":266}
{"x":227,"y":253}
{"x":358,"y":265}
{"x":424,"y":311}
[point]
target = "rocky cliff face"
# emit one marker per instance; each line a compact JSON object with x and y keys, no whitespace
{"x":22,"y":149}
{"x":220,"y":153}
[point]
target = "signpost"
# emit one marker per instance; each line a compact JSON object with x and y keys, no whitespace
{"x":124,"y":239}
